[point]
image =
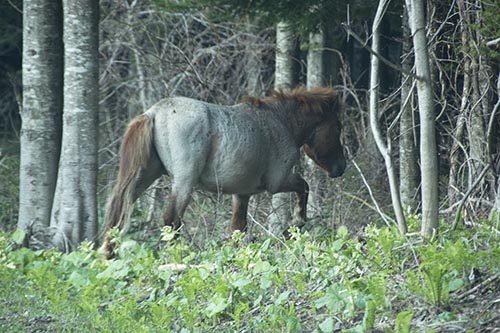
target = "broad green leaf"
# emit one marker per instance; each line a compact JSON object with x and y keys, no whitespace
{"x":282,"y":298}
{"x":342,"y":232}
{"x":265,"y":245}
{"x":327,"y":325}
{"x":118,"y":269}
{"x":18,"y":236}
{"x":216,"y":305}
{"x":266,"y":281}
{"x":455,"y":284}
{"x":78,"y":280}
{"x":261,"y":267}
{"x":241,"y":282}
{"x":337,"y":244}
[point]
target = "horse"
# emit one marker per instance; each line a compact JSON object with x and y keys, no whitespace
{"x":241,"y":150}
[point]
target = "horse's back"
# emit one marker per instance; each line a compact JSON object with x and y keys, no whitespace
{"x":221,"y":148}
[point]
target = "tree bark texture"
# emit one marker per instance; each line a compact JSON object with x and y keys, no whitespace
{"x":428,"y":149}
{"x":281,"y":213}
{"x":75,"y":210}
{"x":285,"y":49}
{"x":315,"y":78}
{"x":41,"y":111}
{"x":408,"y":165}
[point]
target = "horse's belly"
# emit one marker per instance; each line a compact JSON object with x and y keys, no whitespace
{"x":233,"y":181}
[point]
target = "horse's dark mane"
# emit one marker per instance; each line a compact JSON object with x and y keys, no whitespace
{"x":316,"y":100}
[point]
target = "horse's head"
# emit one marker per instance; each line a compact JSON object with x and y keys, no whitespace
{"x":323,"y":147}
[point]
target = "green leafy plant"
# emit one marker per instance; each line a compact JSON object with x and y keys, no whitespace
{"x":302,"y":284}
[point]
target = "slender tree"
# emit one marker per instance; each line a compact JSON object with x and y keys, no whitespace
{"x":41,"y":111}
{"x":408,"y":166}
{"x":385,"y":149}
{"x":315,"y":78}
{"x":75,"y":207}
{"x":428,"y":149}
{"x":283,"y":80}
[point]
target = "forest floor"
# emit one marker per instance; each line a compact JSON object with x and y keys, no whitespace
{"x":375,"y":283}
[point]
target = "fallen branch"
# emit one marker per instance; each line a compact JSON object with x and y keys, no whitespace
{"x":493,"y":43}
{"x":489,"y":280}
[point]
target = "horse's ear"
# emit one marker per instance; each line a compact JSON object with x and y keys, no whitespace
{"x":308,"y":151}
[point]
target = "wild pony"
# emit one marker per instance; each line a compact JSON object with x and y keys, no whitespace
{"x":241,"y":150}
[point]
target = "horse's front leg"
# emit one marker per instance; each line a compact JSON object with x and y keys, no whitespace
{"x":297,"y":184}
{"x":240,"y":208}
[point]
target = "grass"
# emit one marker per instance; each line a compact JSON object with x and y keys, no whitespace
{"x":379,"y":283}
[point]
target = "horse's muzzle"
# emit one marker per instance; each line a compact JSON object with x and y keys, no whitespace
{"x":337,"y":170}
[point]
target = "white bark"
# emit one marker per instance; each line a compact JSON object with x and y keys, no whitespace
{"x":315,"y":78}
{"x":281,"y":213}
{"x":285,"y":46}
{"x":75,"y":210}
{"x":384,"y":149}
{"x":428,"y":149}
{"x":315,"y":63}
{"x":41,"y":111}
{"x":253,"y":67}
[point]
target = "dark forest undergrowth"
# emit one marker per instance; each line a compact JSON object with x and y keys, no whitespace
{"x":377,"y":282}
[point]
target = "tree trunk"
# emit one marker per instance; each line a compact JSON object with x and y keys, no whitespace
{"x":477,"y":125}
{"x":281,"y":212}
{"x":384,"y":149}
{"x":75,"y":208}
{"x":408,"y":166}
{"x":495,"y":211}
{"x":315,"y":78}
{"x":253,"y":67}
{"x":428,"y":149}
{"x":41,"y":111}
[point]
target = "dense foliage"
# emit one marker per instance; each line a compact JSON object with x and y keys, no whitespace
{"x":380,"y":283}
{"x":308,"y":14}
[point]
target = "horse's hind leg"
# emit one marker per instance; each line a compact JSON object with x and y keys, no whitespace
{"x":240,"y":208}
{"x":178,"y":201}
{"x":148,"y":175}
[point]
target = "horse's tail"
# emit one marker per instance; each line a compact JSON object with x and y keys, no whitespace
{"x":135,"y":151}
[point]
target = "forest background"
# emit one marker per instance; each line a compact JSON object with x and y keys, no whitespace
{"x":220,"y":51}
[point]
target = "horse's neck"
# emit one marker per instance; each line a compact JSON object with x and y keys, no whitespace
{"x":301,"y":124}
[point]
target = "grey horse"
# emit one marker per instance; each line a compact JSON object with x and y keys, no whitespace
{"x":241,"y":150}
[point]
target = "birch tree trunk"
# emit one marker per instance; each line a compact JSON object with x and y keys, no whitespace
{"x":408,"y":166}
{"x":285,"y":48}
{"x":75,"y":206}
{"x":428,"y":149}
{"x":253,"y":66}
{"x":41,"y":111}
{"x":315,"y":78}
{"x":280,"y":214}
